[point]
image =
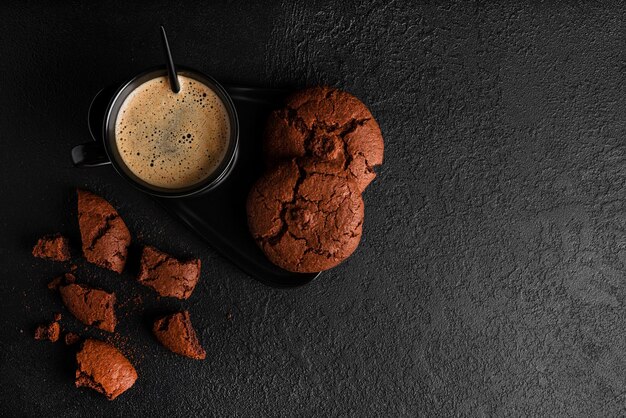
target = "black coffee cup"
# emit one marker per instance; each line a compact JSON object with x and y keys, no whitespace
{"x":104,"y":149}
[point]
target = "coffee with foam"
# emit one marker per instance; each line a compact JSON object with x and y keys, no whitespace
{"x":172,"y":140}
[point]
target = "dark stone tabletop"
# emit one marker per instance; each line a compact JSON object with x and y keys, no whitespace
{"x":490,"y":280}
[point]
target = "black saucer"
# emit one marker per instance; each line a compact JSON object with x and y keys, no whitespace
{"x":219,"y":216}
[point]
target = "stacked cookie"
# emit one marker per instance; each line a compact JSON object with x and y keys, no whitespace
{"x":320,"y":149}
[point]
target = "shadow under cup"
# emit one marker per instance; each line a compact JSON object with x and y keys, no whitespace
{"x":214,"y":179}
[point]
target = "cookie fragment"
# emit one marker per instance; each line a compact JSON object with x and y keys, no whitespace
{"x":176,"y":333}
{"x":52,"y":247}
{"x":104,"y":368}
{"x":104,"y":235}
{"x":90,"y":306}
{"x":167,"y":275}
{"x":305,"y":215}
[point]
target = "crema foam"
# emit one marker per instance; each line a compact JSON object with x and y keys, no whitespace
{"x":172,"y":140}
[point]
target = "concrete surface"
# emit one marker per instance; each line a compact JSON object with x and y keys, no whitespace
{"x":490,"y":278}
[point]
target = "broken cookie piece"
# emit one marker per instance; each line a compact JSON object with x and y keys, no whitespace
{"x":167,"y":275}
{"x":52,"y":247}
{"x":49,"y":332}
{"x":105,"y":237}
{"x":104,"y":368}
{"x":90,"y":306}
{"x":176,"y":333}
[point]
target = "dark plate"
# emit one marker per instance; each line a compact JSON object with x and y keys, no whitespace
{"x":219,"y":217}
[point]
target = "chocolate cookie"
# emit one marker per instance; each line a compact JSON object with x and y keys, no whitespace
{"x":104,"y":234}
{"x":177,"y":335}
{"x":167,"y":275}
{"x":104,"y":368}
{"x":90,"y":306}
{"x":52,"y":247}
{"x":304,"y":217}
{"x":328,"y":124}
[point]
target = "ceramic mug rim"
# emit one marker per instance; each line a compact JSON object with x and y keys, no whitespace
{"x":110,"y":146}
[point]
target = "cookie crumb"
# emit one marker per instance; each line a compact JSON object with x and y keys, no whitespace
{"x":52,"y":247}
{"x":70,"y":338}
{"x":48,"y":332}
{"x":55,"y":283}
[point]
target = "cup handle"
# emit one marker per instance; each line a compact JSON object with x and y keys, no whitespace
{"x":90,"y":154}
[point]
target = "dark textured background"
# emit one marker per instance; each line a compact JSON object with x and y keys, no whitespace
{"x":490,"y":278}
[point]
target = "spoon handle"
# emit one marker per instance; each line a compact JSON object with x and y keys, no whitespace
{"x":171,"y":69}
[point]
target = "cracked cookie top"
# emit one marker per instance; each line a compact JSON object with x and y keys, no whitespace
{"x":104,"y":235}
{"x":328,"y":124}
{"x":305,"y":216}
